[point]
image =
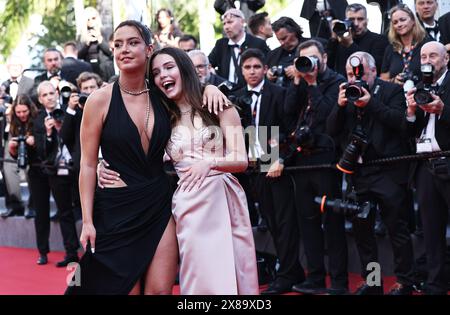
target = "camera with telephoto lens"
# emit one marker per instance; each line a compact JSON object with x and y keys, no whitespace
{"x":356,"y":147}
{"x":423,"y":94}
{"x":305,"y":64}
{"x":348,"y":208}
{"x":22,"y":155}
{"x":342,"y":27}
{"x":354,"y":91}
{"x":82,"y":99}
{"x":57,"y":114}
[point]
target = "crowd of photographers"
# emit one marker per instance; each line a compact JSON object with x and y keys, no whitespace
{"x":342,"y":99}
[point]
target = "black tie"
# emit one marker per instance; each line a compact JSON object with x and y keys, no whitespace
{"x":251,"y":92}
{"x":235,"y":61}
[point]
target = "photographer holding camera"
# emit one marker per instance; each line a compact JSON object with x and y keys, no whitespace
{"x":369,"y":115}
{"x":87,"y":83}
{"x":54,"y":176}
{"x":310,"y":100}
{"x":20,"y":144}
{"x":280,"y":60}
{"x":428,"y":121}
{"x":352,"y":35}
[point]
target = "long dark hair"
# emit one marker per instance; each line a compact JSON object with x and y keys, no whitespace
{"x":17,"y":127}
{"x":191,"y":87}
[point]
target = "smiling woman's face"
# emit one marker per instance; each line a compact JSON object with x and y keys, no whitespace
{"x":167,"y":76}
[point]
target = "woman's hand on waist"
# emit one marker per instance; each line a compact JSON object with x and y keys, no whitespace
{"x":107,"y":178}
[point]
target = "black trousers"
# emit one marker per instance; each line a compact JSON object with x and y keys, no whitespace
{"x":391,"y":197}
{"x":61,"y":187}
{"x":433,"y":196}
{"x":278,"y":208}
{"x":322,"y":233}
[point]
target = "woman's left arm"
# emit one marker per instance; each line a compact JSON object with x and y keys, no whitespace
{"x":234,"y":162}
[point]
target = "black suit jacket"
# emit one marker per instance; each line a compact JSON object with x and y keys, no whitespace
{"x":70,"y":134}
{"x":383,"y":123}
{"x":338,"y":7}
{"x":220,"y":56}
{"x":46,"y":148}
{"x":374,"y":44}
{"x":442,"y":125}
{"x":71,"y":69}
{"x":271,"y":112}
{"x":25,"y":86}
{"x":444,"y":28}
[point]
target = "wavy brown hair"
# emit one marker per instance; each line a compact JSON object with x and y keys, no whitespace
{"x":191,"y":87}
{"x":418,"y":31}
{"x":17,"y":127}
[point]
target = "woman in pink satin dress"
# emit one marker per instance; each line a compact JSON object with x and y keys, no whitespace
{"x":216,"y":246}
{"x":217,"y":252}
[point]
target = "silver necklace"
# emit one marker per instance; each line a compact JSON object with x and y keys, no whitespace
{"x":147,"y":116}
{"x":132,"y":92}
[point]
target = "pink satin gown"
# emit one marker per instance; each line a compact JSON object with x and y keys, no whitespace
{"x":217,"y":251}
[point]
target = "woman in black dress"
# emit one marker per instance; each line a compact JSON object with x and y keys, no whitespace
{"x":406,"y":35}
{"x":128,"y":231}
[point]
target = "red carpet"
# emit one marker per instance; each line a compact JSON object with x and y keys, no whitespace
{"x":20,"y":275}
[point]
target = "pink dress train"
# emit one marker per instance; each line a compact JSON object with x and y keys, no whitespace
{"x":217,"y":251}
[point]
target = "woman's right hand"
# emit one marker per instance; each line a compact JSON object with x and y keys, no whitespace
{"x":88,"y":234}
{"x":107,"y":177}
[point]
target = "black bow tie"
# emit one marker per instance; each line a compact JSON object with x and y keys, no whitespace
{"x":255,"y":93}
{"x":433,"y":29}
{"x":13,"y":81}
{"x":233,"y":46}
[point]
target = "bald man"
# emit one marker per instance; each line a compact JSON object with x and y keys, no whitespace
{"x":430,"y":124}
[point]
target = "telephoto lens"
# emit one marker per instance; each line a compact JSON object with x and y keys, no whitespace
{"x":347,"y":208}
{"x":342,"y":27}
{"x":22,"y":157}
{"x":357,"y":145}
{"x":306,"y":64}
{"x":82,"y":99}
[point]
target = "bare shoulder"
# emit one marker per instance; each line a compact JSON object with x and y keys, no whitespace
{"x":98,"y":101}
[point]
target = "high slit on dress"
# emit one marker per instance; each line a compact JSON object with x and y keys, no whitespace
{"x":131,"y":220}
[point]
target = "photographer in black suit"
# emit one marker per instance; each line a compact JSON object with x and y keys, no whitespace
{"x":274,"y":188}
{"x":52,"y":152}
{"x":87,"y":83}
{"x":357,"y":38}
{"x":226,"y":54}
{"x":310,"y":100}
{"x":428,"y":121}
{"x":281,"y":60}
{"x":368,"y":116}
